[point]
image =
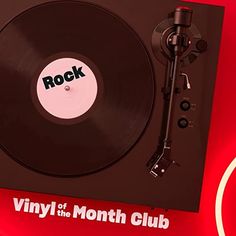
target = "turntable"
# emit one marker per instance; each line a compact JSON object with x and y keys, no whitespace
{"x":108,"y":100}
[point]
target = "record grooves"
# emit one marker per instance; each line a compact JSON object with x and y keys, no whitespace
{"x":118,"y":118}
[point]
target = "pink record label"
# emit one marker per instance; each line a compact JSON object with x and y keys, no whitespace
{"x":67,"y":88}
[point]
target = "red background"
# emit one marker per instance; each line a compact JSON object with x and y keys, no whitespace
{"x":221,"y":151}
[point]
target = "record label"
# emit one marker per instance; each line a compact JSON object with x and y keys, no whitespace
{"x":67,"y":88}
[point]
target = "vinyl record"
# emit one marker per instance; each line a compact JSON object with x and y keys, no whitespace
{"x":76,"y":88}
